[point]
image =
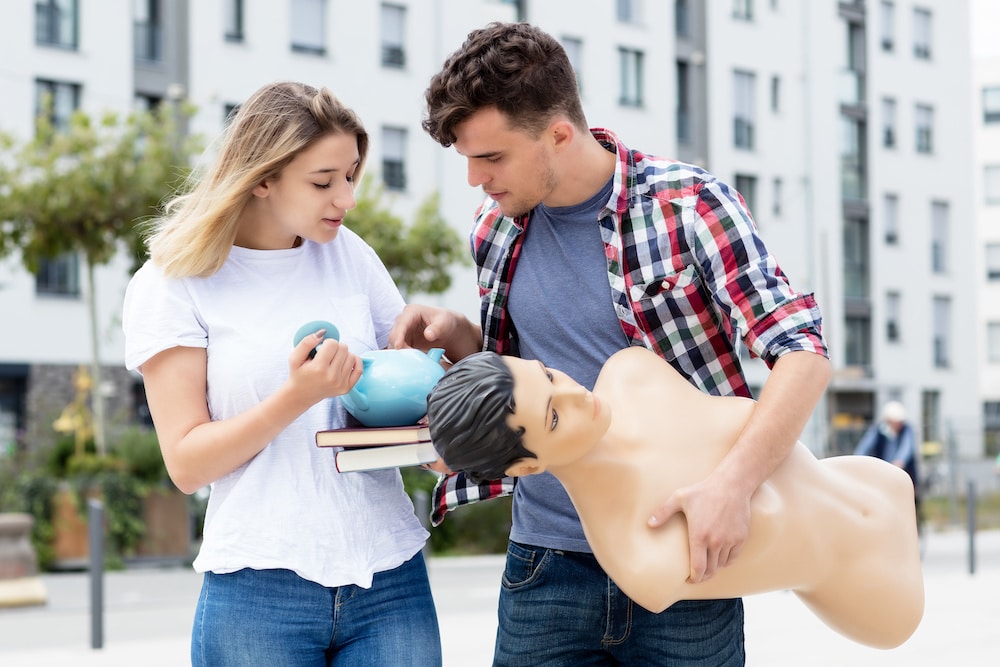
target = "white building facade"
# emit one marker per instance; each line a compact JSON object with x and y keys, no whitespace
{"x":787,"y":100}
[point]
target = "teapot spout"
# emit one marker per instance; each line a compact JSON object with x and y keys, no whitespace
{"x":435,"y":353}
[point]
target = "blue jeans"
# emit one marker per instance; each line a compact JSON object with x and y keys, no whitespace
{"x":559,"y":608}
{"x":275,"y":618}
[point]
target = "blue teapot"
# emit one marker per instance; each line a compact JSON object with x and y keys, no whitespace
{"x":394,"y":384}
{"x":393,"y":387}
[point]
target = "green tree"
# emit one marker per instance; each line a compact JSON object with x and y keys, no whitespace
{"x":84,"y":189}
{"x":419,"y":255}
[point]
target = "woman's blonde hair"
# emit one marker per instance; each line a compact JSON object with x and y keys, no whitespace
{"x":280,"y":120}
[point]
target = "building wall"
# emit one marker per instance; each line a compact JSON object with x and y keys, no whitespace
{"x":801,"y":45}
{"x":986,"y":72}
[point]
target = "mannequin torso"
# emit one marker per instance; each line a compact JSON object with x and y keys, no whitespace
{"x":838,"y":531}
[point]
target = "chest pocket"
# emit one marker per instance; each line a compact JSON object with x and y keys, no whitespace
{"x":680,"y":292}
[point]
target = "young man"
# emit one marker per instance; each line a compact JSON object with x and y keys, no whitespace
{"x":585,"y":247}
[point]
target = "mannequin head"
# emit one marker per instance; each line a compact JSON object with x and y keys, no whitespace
{"x":491,"y":416}
{"x":467,"y":414}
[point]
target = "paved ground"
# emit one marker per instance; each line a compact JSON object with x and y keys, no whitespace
{"x":148,"y":615}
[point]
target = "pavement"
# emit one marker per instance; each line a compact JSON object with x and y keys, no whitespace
{"x":148,"y":611}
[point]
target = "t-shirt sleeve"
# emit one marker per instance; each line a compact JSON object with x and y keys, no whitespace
{"x":384,"y":298}
{"x":158,"y":314}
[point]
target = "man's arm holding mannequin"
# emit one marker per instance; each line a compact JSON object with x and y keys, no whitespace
{"x":717,"y":509}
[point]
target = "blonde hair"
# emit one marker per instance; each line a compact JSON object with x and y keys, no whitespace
{"x":280,"y":120}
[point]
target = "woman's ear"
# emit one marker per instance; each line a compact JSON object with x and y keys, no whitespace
{"x":524,"y":467}
{"x":261,"y":189}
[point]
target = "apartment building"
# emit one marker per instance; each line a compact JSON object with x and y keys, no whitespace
{"x":986,"y":201}
{"x":844,"y":125}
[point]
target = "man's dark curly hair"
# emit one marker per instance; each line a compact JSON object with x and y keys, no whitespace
{"x":515,"y":67}
{"x":467,"y":414}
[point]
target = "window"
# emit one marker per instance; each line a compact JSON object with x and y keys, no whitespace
{"x":888,"y":26}
{"x":743,"y":107}
{"x":925,"y":128}
{"x":682,"y":18}
{"x":991,"y":104}
{"x":234,"y":21}
{"x":777,"y":197}
{"x":743,"y":10}
{"x":892,"y":310}
{"x":775,"y":94}
{"x":890,"y":223}
{"x":59,"y":276}
{"x":683,"y":102}
{"x":148,"y":31}
{"x":991,"y":183}
{"x":309,"y":26}
{"x":746,"y":185}
{"x":393,"y":36}
{"x":57,"y":23}
{"x":888,"y":122}
{"x":852,"y":159}
{"x":931,"y":415}
{"x":628,"y":11}
{"x":144,"y":102}
{"x":573,"y":47}
{"x":229,"y":111}
{"x":856,"y":258}
{"x":630,"y":61}
{"x":942,"y":328}
{"x":857,"y":340}
{"x":921,"y":34}
{"x":58,"y":100}
{"x":394,"y":158}
{"x":939,"y":237}
{"x":993,"y":346}
{"x":519,"y":11}
{"x":993,"y":261}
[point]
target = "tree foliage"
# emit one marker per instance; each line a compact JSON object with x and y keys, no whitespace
{"x":419,"y":255}
{"x":84,"y":188}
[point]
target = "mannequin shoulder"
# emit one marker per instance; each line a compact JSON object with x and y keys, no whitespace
{"x":636,"y":364}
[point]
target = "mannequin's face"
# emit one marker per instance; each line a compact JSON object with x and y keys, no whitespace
{"x":560,"y":418}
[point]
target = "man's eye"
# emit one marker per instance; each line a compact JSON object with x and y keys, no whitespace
{"x":555,"y":421}
{"x":549,"y":375}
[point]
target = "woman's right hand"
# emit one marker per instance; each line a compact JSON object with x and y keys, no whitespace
{"x":332,"y":371}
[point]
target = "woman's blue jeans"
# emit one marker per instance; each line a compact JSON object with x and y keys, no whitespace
{"x":274,"y":618}
{"x":559,"y":608}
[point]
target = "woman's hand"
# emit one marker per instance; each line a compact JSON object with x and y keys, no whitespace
{"x":331,"y":372}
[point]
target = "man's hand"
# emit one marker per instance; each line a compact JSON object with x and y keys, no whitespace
{"x":424,"y":327}
{"x":718,"y":521}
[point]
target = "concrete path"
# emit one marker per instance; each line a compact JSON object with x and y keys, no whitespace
{"x":148,"y":616}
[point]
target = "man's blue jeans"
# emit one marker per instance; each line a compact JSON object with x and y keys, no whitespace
{"x":275,"y":618}
{"x":559,"y":608}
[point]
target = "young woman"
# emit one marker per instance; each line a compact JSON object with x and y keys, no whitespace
{"x":837,"y":531}
{"x":302,"y":565}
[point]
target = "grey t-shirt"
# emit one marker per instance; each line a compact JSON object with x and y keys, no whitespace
{"x":562,"y":309}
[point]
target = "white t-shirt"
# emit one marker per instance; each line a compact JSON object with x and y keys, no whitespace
{"x":288,"y":507}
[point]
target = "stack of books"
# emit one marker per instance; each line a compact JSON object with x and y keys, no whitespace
{"x":377,"y":448}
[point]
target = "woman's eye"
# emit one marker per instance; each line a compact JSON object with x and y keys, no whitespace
{"x":555,"y":421}
{"x":323,"y":186}
{"x":549,"y":375}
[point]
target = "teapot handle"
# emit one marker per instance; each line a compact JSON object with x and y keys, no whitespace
{"x":435,"y":353}
{"x":360,"y":400}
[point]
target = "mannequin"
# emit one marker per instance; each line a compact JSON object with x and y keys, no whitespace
{"x":838,"y":532}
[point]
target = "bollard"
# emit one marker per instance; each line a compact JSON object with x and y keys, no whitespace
{"x":971,"y":519}
{"x":95,"y":535}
